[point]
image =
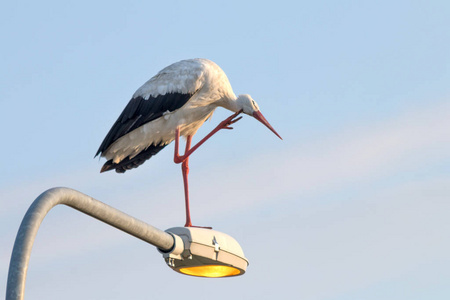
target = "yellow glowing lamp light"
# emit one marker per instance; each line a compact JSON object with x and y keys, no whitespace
{"x":205,"y":253}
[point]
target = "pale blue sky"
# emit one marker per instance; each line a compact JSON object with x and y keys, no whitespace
{"x":352,"y":204}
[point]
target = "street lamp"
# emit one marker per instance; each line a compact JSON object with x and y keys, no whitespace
{"x":191,"y":251}
{"x":205,"y":253}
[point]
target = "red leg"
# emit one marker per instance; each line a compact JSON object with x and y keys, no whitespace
{"x":176,"y":156}
{"x":225,"y":124}
{"x":185,"y":170}
{"x":184,"y":159}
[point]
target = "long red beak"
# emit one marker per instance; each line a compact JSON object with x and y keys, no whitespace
{"x":258,"y":116}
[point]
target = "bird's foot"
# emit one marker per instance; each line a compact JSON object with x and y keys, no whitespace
{"x":190,"y":225}
{"x":225,"y":124}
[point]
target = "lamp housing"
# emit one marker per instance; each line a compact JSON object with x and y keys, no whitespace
{"x":205,"y":253}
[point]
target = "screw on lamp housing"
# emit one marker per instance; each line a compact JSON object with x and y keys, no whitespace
{"x":205,"y":253}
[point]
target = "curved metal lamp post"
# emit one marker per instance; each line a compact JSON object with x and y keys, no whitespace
{"x":191,"y":251}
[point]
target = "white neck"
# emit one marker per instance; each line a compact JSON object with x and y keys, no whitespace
{"x":231,"y":104}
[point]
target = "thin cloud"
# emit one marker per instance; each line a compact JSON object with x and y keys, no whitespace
{"x":408,"y":142}
{"x":309,"y":168}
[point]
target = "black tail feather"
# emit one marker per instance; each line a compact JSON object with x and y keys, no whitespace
{"x":128,"y":164}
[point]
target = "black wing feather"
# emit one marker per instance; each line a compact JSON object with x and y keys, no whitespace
{"x":140,"y":111}
{"x":135,"y":162}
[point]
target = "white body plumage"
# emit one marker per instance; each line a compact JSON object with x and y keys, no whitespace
{"x":200,"y":77}
{"x":183,"y":95}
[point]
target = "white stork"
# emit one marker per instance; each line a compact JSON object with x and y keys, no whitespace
{"x":176,"y":101}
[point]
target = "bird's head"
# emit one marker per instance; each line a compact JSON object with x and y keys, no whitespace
{"x":251,"y":108}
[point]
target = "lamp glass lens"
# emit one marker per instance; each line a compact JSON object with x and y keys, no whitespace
{"x":211,"y":271}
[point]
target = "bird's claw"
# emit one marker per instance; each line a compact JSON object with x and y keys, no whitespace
{"x":205,"y":227}
{"x":235,"y":120}
{"x":231,"y":120}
